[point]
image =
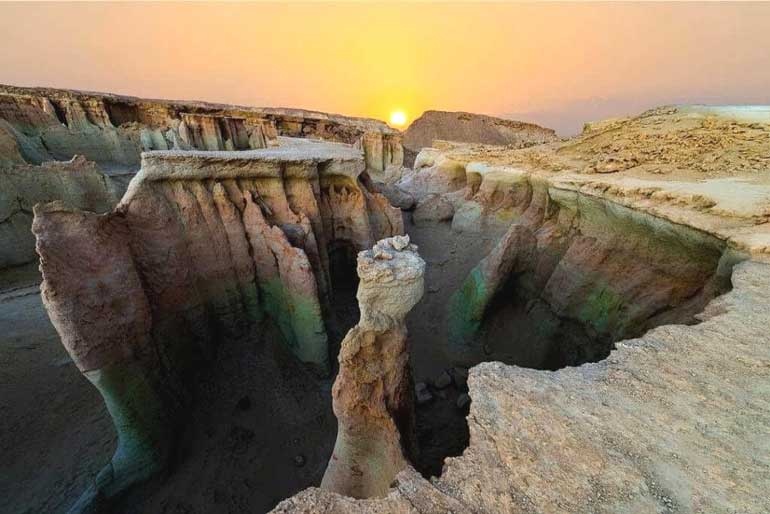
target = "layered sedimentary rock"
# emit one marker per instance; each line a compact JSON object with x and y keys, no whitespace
{"x":467,"y":127}
{"x":207,"y":132}
{"x":54,"y":124}
{"x":380,"y":144}
{"x":202,"y":246}
{"x":615,"y":271}
{"x":672,"y":420}
{"x":373,"y":390}
{"x":50,"y":124}
{"x":23,"y":185}
{"x":39,"y":125}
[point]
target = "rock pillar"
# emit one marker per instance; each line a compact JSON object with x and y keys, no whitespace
{"x":372,"y":395}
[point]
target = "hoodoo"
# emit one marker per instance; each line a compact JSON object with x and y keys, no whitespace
{"x":373,"y":391}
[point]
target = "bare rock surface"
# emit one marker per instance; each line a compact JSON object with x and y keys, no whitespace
{"x":646,"y":430}
{"x":39,"y":124}
{"x":696,"y":183}
{"x":50,"y":453}
{"x":22,"y":186}
{"x":672,"y":420}
{"x":202,"y":247}
{"x":373,"y":398}
{"x":43,"y":125}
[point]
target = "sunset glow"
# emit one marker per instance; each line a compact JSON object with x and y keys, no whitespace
{"x":553,"y":63}
{"x":398,"y":118}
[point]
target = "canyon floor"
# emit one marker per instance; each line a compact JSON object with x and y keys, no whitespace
{"x":49,"y":454}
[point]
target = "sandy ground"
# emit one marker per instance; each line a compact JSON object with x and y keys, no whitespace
{"x":449,"y":257}
{"x":262,"y":430}
{"x":55,"y":433}
{"x":249,"y":443}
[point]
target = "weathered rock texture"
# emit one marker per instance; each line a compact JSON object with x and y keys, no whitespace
{"x":49,"y":124}
{"x":373,"y":391}
{"x":23,"y":185}
{"x":380,"y":144}
{"x":466,"y":127}
{"x":671,"y":421}
{"x":39,"y":124}
{"x":203,"y":245}
{"x":614,"y":271}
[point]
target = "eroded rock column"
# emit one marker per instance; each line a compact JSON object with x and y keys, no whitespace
{"x":373,"y":391}
{"x":94,"y":297}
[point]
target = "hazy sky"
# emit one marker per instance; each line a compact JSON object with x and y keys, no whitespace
{"x":557,"y":64}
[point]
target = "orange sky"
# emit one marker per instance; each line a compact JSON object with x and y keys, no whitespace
{"x":557,"y":64}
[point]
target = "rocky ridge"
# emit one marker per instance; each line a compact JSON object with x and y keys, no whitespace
{"x":56,"y":124}
{"x":39,"y":126}
{"x":24,"y":185}
{"x":669,"y":417}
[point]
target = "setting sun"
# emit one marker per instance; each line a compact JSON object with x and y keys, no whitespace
{"x":398,"y":118}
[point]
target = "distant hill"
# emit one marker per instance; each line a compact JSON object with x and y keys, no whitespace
{"x":467,"y":127}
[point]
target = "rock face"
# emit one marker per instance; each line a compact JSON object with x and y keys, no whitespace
{"x":23,"y":185}
{"x":466,"y":127}
{"x":373,"y":391}
{"x":113,"y":130}
{"x":660,"y":424}
{"x":203,"y":245}
{"x":621,"y":435}
{"x":380,"y":144}
{"x":38,"y":124}
{"x":613,"y":270}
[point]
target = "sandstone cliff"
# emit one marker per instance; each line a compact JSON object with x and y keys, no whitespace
{"x":22,"y":186}
{"x":202,"y":245}
{"x":55,"y":124}
{"x":39,"y":125}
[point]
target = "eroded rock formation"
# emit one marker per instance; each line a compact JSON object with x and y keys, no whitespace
{"x":202,"y":246}
{"x":23,"y":185}
{"x":673,"y":420}
{"x":660,"y":424}
{"x":39,"y":124}
{"x":113,"y":130}
{"x":373,"y":391}
{"x":621,"y":435}
{"x":614,"y":271}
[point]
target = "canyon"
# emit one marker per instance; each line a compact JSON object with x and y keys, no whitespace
{"x":109,"y":133}
{"x":527,"y":325}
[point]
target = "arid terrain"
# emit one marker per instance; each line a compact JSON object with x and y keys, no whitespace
{"x":248,"y":310}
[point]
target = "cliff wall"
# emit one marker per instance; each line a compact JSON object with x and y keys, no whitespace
{"x":56,"y":124}
{"x":202,"y":246}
